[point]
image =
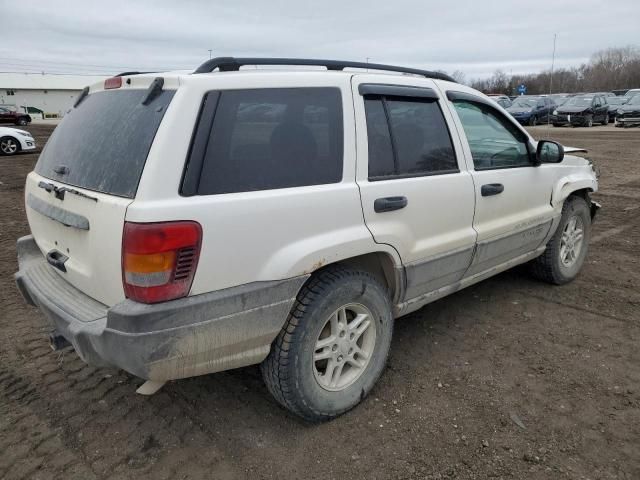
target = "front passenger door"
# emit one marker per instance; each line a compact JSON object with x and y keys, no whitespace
{"x":513,"y":212}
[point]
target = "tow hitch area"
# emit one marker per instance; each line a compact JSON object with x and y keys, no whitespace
{"x":57,"y":341}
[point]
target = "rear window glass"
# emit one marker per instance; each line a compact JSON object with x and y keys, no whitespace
{"x":103,"y":144}
{"x":274,"y":138}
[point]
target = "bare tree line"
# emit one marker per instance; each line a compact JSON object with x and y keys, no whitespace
{"x":607,"y":70}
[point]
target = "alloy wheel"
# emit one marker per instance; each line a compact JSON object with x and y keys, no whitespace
{"x":9,"y":146}
{"x":571,"y":241}
{"x":344,"y":347}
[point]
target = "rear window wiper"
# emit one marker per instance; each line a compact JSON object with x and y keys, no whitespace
{"x":59,"y":192}
{"x":154,"y":90}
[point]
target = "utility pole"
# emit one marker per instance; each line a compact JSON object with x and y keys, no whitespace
{"x":368,"y":58}
{"x":553,"y":61}
{"x":210,"y":53}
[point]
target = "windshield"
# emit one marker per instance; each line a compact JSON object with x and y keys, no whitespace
{"x":103,"y":144}
{"x":525,"y":102}
{"x":579,"y":102}
{"x":635,"y":100}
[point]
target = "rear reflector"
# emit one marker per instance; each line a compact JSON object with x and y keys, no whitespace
{"x":159,"y":260}
{"x":113,"y":82}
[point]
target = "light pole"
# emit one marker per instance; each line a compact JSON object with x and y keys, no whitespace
{"x":210,"y":53}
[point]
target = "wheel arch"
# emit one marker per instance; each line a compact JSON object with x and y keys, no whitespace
{"x":382,"y":265}
{"x":579,"y":185}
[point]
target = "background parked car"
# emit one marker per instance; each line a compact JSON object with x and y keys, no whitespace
{"x":12,"y":116}
{"x":560,"y":98}
{"x":13,"y":141}
{"x":531,"y":110}
{"x":502,"y":100}
{"x":628,"y":115}
{"x":614,"y":104}
{"x":633,"y":92}
{"x":582,"y":110}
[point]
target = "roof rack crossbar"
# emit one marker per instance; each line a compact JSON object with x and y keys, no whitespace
{"x":228,"y":64}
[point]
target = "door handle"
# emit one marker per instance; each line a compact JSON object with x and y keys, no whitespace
{"x":388,"y":204}
{"x":491,"y":189}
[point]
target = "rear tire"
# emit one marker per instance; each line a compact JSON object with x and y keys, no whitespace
{"x":9,"y":146}
{"x":605,"y":121}
{"x":22,"y":122}
{"x":589,"y":122}
{"x":557,"y":125}
{"x":533,"y":121}
{"x":562,"y":260}
{"x":312,"y":369}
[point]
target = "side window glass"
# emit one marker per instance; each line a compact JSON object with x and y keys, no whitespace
{"x":421,"y":137}
{"x":407,"y":137}
{"x":381,"y":161}
{"x":265,"y":139}
{"x":493,"y":140}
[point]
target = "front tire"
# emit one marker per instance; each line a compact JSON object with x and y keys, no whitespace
{"x":333,"y":347}
{"x":9,"y":146}
{"x":589,"y":122}
{"x":562,"y":260}
{"x":22,"y":122}
{"x":533,"y":121}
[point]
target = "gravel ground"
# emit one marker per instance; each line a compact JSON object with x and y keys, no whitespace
{"x":511,"y":378}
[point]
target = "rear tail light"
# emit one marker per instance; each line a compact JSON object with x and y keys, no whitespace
{"x":159,"y":260}
{"x":113,"y":82}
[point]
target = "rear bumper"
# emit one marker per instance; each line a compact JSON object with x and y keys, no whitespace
{"x":182,"y":338}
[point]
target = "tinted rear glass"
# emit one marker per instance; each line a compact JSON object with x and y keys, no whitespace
{"x":104,"y":142}
{"x":274,"y":138}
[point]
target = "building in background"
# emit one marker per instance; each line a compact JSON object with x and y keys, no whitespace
{"x":42,"y":94}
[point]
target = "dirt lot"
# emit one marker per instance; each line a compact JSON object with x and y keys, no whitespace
{"x":510,"y":378}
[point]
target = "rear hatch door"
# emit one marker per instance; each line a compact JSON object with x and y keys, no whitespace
{"x":87,"y":175}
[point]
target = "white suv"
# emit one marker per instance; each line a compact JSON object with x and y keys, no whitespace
{"x":188,"y":223}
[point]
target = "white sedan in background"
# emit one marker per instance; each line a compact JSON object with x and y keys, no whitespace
{"x":13,"y":140}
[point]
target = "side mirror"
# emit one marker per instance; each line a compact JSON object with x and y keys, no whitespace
{"x":549,"y":151}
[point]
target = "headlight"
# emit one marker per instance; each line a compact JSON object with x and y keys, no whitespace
{"x":24,"y":134}
{"x":620,"y":111}
{"x":555,"y":112}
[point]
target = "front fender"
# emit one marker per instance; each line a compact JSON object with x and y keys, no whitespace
{"x":568,"y":184}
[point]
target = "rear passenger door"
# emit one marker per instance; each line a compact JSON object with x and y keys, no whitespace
{"x":416,"y":196}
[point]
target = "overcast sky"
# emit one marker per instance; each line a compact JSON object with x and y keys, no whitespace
{"x":476,"y":37}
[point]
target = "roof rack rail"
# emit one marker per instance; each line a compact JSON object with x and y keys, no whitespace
{"x":229,"y":64}
{"x":126,"y":74}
